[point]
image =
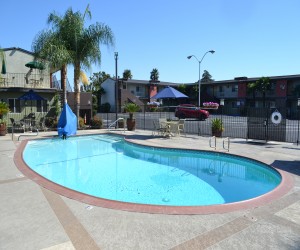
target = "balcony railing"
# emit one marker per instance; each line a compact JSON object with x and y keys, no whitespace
{"x":22,"y":80}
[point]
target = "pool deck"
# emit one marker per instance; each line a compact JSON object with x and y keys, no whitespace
{"x":33,"y":217}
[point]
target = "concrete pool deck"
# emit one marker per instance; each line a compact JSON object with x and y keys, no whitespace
{"x":33,"y":217}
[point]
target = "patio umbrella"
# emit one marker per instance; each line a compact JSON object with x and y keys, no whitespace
{"x":35,"y":65}
{"x":169,"y":92}
{"x":31,"y":96}
{"x":3,"y":70}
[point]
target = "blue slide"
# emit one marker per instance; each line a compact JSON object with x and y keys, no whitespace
{"x":67,"y":123}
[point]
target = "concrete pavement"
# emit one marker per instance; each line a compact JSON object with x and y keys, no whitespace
{"x":33,"y":217}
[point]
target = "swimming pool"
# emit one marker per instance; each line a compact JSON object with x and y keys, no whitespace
{"x":110,"y":168}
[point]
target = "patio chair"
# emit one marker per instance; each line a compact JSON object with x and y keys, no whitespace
{"x":181,"y":126}
{"x":42,"y":125}
{"x":16,"y":124}
{"x":158,"y":128}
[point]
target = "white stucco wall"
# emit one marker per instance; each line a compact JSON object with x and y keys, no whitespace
{"x":109,"y":87}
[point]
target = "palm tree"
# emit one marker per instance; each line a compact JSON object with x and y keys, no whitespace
{"x":154,"y":75}
{"x":83,"y":44}
{"x":50,"y":45}
{"x":261,"y":85}
{"x":127,"y":74}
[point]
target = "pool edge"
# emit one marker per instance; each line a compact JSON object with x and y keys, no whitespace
{"x":283,"y":188}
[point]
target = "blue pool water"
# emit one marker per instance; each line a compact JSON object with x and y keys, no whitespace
{"x":109,"y":167}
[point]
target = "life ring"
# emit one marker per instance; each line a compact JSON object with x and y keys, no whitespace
{"x":276,"y":117}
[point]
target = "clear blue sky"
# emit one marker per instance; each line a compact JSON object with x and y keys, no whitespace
{"x":251,"y":38}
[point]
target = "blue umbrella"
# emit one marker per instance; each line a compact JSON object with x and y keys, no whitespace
{"x":31,"y":95}
{"x":169,"y":92}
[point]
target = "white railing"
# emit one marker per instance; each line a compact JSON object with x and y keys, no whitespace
{"x":116,"y":124}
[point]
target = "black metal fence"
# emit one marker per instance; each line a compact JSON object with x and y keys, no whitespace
{"x":269,"y":124}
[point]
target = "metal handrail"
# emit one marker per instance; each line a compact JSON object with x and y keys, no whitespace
{"x":116,"y":123}
{"x":228,"y":143}
{"x":215,"y":139}
{"x":37,"y":133}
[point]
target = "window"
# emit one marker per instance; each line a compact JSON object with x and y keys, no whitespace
{"x":234,"y":88}
{"x":220,"y":88}
{"x":137,"y":89}
{"x":41,"y":106}
{"x":14,"y":105}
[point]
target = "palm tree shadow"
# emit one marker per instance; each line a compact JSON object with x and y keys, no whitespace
{"x":292,"y":167}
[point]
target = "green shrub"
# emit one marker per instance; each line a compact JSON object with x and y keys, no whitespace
{"x":81,"y":122}
{"x":96,"y":122}
{"x":51,"y":122}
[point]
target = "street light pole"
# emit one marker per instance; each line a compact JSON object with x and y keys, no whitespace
{"x":116,"y":85}
{"x":199,"y":82}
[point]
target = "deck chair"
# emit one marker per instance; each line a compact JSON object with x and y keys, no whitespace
{"x":157,"y":129}
{"x":42,"y":125}
{"x":16,"y":124}
{"x":181,"y":126}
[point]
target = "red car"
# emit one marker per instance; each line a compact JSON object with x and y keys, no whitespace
{"x":191,"y":111}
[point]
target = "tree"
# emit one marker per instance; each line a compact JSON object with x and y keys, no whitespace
{"x":206,"y":77}
{"x":262,"y":85}
{"x":127,"y":74}
{"x":50,"y":45}
{"x":154,"y":75}
{"x":82,"y":42}
{"x":95,"y":84}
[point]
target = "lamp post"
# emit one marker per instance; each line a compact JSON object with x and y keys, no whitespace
{"x":189,"y":57}
{"x":116,"y":85}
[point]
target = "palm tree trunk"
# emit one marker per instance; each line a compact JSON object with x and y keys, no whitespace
{"x":77,"y":90}
{"x":63,"y":79}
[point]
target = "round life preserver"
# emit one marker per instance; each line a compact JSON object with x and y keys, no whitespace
{"x":276,"y":117}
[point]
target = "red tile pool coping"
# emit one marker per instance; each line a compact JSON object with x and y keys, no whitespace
{"x":283,"y":188}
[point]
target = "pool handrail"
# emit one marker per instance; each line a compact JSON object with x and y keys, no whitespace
{"x":116,"y":123}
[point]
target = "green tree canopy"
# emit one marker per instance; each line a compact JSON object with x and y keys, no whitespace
{"x":154,"y":75}
{"x":127,"y":74}
{"x":206,"y":77}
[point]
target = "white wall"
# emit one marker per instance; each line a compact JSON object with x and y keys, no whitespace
{"x":109,"y":87}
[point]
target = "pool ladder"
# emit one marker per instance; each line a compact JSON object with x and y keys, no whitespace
{"x":115,"y":123}
{"x":225,"y":143}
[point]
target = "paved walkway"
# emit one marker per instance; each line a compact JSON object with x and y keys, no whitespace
{"x":33,"y":217}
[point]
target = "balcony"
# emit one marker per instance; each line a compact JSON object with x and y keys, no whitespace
{"x":19,"y":80}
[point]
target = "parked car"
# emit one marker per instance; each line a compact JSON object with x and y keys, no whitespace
{"x":191,"y":111}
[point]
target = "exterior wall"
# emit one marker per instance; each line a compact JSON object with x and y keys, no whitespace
{"x":226,"y":90}
{"x":132,"y":88}
{"x":15,"y":61}
{"x":281,"y":88}
{"x":109,"y":97}
{"x":242,"y":92}
{"x":152,"y":90}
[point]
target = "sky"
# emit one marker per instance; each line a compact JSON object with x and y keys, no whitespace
{"x":251,"y":38}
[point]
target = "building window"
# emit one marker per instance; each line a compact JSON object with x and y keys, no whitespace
{"x":234,"y":88}
{"x":14,"y":105}
{"x":220,"y":88}
{"x":137,"y":88}
{"x":41,"y":106}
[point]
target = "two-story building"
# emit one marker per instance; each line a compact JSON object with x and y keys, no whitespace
{"x":284,"y":93}
{"x":23,"y":73}
{"x":130,"y":90}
